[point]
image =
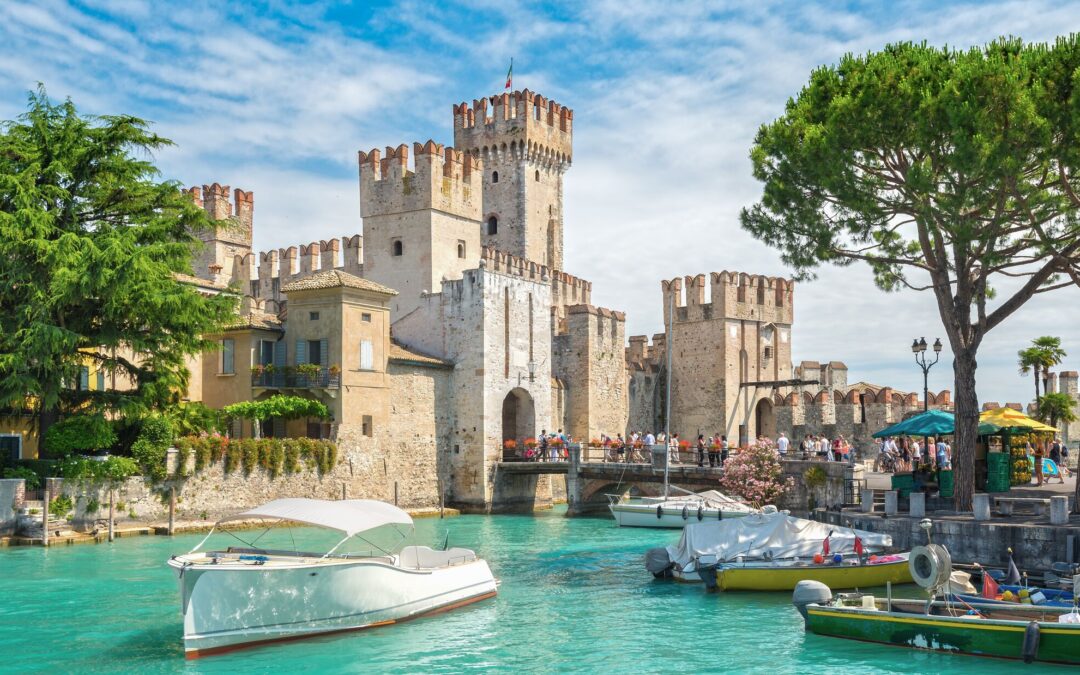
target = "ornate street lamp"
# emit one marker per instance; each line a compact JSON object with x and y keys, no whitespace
{"x":918,"y":347}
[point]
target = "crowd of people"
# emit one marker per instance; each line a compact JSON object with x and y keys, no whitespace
{"x":905,"y":453}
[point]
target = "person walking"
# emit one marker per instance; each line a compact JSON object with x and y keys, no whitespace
{"x":723,"y":450}
{"x":673,"y":448}
{"x":701,"y":449}
{"x":714,"y":450}
{"x":543,"y":445}
{"x":782,"y":445}
{"x":1055,"y":456}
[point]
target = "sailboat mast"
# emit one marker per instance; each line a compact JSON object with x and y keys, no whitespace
{"x":667,"y":390}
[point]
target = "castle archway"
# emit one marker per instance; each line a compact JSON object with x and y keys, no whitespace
{"x":518,"y":415}
{"x":765,"y":419}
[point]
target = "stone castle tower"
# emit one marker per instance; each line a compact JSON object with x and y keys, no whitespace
{"x":721,"y":345}
{"x":421,"y":223}
{"x":229,"y":236}
{"x":525,"y":145}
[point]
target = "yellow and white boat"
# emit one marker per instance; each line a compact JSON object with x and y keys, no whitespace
{"x":784,"y":575}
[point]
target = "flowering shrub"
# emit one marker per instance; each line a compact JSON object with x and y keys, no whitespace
{"x":556,"y":441}
{"x":683,"y":445}
{"x":530,"y":442}
{"x":509,"y":444}
{"x":595,"y":443}
{"x":755,"y":474}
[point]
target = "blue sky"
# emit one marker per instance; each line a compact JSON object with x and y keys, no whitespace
{"x":277,"y":98}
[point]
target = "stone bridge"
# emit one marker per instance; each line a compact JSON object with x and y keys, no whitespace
{"x":589,"y":482}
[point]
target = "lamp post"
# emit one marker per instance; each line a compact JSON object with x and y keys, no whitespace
{"x":918,"y":347}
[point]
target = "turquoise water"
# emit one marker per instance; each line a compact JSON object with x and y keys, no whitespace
{"x":575,"y":598}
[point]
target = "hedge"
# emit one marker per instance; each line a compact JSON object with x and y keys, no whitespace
{"x":273,"y":455}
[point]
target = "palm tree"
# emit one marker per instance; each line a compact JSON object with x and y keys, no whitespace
{"x":1057,"y":407}
{"x":1044,"y":353}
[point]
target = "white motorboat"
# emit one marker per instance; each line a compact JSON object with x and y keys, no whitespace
{"x":239,"y":597}
{"x":675,"y":511}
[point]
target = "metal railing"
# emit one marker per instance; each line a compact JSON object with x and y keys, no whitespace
{"x":290,"y":379}
{"x":592,"y":454}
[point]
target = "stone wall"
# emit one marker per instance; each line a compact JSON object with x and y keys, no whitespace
{"x":831,"y":495}
{"x":1035,"y":547}
{"x":12,"y":494}
{"x":589,"y":360}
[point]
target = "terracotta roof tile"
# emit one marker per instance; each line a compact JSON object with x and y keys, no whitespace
{"x":401,"y":353}
{"x":335,"y":279}
{"x":255,"y":320}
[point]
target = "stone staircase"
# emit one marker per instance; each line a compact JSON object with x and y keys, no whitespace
{"x":29,"y":522}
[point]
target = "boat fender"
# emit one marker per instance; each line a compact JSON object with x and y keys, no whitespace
{"x":685,"y":512}
{"x":700,"y":513}
{"x":1031,"y":642}
{"x":810,"y":592}
{"x":659,"y":511}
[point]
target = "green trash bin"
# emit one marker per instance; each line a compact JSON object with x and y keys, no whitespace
{"x":903,"y":483}
{"x":945,"y":483}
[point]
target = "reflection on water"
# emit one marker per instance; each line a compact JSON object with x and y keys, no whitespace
{"x":574,"y":598}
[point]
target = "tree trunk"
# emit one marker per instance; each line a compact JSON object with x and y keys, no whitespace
{"x":1036,"y":386}
{"x":967,"y":429}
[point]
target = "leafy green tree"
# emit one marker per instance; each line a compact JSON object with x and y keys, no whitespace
{"x":285,"y":407}
{"x":1044,"y":353}
{"x":953,"y":172}
{"x":90,"y":243}
{"x":1057,"y":408}
{"x":80,"y":433}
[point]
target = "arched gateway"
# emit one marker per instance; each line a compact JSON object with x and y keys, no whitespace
{"x":765,"y":419}
{"x":518,"y":415}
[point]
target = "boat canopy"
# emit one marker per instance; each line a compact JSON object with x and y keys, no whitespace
{"x":348,"y":516}
{"x":768,"y":536}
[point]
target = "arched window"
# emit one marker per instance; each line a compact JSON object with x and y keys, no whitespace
{"x":397,"y":247}
{"x":538,"y":175}
{"x":493,"y":225}
{"x":461,"y":249}
{"x":494,"y":176}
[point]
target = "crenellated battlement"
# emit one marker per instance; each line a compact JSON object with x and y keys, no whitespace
{"x":239,"y":212}
{"x":566,"y":289}
{"x":439,"y":178}
{"x":732,"y":295}
{"x":523,"y":120}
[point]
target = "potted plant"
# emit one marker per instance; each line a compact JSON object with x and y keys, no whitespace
{"x":335,"y":370}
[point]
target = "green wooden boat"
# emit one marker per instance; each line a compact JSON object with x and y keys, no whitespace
{"x":1026,"y":632}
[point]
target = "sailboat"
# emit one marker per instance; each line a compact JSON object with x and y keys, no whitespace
{"x":668,"y":510}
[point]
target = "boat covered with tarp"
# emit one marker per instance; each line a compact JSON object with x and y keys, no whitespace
{"x":776,"y":549}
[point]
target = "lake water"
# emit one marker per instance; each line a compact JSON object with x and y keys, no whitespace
{"x":575,"y":598}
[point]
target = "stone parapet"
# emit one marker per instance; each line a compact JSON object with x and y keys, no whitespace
{"x":443,"y":179}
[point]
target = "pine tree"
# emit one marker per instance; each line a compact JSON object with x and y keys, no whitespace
{"x":90,"y":241}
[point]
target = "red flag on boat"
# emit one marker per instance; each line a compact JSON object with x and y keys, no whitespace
{"x":825,"y":547}
{"x":990,"y":587}
{"x":858,"y":547}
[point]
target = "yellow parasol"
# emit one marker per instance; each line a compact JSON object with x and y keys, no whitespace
{"x":1013,"y":420}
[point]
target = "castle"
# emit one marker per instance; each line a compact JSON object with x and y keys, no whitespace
{"x":449,"y":327}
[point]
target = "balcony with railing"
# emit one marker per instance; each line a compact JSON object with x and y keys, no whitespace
{"x":294,"y":378}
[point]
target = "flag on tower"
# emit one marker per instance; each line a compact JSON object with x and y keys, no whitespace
{"x":510,"y":74}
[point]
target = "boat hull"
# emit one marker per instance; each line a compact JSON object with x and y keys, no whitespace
{"x":1058,"y":643}
{"x":784,"y":578}
{"x":634,"y":515}
{"x":230,"y":607}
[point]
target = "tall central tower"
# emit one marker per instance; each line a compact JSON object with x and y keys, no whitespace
{"x":525,"y":144}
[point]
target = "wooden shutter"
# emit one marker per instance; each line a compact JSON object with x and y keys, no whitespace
{"x":301,"y":352}
{"x":323,"y":349}
{"x":84,"y":379}
{"x":367,"y":356}
{"x":280,"y":354}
